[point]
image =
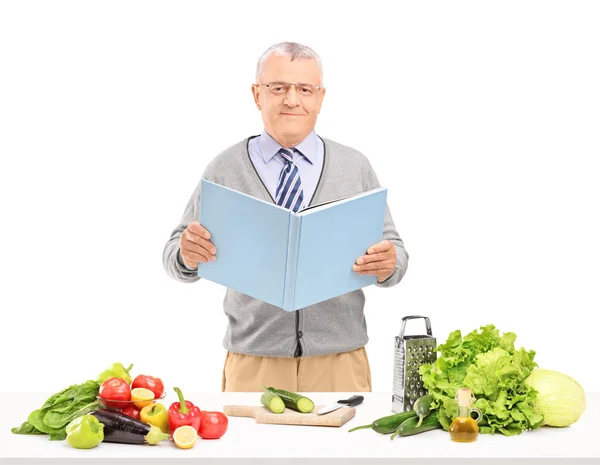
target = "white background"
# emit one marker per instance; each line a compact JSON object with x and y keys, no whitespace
{"x":481,"y":118}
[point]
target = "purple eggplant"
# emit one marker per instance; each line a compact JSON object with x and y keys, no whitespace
{"x":124,"y":429}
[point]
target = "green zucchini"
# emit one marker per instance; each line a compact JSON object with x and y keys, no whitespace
{"x":409,"y":427}
{"x":422,"y":407}
{"x":272,"y":401}
{"x":293,"y":400}
{"x":388,"y":424}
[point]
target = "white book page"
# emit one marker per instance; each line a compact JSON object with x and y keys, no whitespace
{"x":322,"y":206}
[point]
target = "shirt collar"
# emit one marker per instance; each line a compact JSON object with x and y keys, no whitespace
{"x":269,"y":147}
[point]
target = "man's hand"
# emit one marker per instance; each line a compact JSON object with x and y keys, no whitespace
{"x":195,"y":246}
{"x":380,"y":261}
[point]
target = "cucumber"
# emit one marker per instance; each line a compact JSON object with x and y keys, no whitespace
{"x":388,"y":424}
{"x":272,"y":401}
{"x":409,"y":427}
{"x":293,"y":400}
{"x":422,"y":407}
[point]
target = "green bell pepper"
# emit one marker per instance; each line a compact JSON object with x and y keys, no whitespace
{"x":85,"y":432}
{"x":116,"y":370}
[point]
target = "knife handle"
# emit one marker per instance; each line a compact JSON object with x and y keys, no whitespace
{"x":352,"y":401}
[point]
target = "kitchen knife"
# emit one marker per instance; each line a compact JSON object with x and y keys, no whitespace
{"x":351,"y":402}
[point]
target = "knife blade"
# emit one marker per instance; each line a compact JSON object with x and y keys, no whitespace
{"x":351,"y":402}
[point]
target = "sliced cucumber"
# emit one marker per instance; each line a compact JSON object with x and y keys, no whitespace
{"x":293,"y":400}
{"x":272,"y":401}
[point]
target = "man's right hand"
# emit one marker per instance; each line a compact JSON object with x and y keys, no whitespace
{"x":195,"y":247}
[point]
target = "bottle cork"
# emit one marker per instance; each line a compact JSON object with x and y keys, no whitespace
{"x":464,"y":396}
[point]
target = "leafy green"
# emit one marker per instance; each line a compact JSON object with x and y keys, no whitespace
{"x":58,"y":435}
{"x":36,"y":418}
{"x":55,"y":399}
{"x":26,"y":428}
{"x":489,"y":364}
{"x":60,"y":409}
{"x":58,"y":420}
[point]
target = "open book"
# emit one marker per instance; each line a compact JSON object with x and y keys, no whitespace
{"x":290,"y":260}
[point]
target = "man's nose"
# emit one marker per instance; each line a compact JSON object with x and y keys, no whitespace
{"x":291,"y":98}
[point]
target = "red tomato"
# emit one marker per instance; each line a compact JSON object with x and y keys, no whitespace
{"x":149,"y":382}
{"x":213,"y":425}
{"x":131,"y":411}
{"x":114,"y":389}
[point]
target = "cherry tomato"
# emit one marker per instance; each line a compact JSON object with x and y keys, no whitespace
{"x":114,"y":389}
{"x":213,"y":425}
{"x":131,"y":411}
{"x":149,"y":382}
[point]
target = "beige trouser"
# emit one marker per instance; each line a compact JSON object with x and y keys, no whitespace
{"x":343,"y":372}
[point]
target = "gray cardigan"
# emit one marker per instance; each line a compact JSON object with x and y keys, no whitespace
{"x":257,"y":328}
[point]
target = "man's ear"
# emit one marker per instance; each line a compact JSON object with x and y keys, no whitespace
{"x":256,"y":94}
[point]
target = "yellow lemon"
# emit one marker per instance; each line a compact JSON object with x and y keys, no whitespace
{"x":185,"y":437}
{"x":142,"y":397}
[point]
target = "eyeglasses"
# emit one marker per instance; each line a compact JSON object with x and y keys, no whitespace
{"x":280,"y":88}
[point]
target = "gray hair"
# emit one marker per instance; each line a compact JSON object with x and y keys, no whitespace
{"x":292,"y":49}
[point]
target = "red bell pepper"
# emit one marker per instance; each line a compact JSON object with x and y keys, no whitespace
{"x":131,"y":411}
{"x":184,"y":413}
{"x":149,"y":382}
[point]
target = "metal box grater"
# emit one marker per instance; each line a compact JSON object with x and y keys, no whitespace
{"x":410,"y":353}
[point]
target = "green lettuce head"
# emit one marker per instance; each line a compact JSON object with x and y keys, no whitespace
{"x":489,"y":364}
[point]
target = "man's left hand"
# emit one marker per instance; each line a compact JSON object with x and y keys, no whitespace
{"x":380,"y":261}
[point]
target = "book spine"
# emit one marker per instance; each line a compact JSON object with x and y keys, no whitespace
{"x":289,"y":288}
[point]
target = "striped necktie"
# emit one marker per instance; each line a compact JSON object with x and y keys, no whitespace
{"x":289,"y":192}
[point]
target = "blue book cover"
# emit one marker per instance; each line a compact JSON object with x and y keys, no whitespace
{"x":290,"y":260}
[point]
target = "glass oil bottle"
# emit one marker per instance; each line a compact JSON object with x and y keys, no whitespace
{"x":464,"y":428}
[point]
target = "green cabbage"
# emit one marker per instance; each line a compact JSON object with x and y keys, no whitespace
{"x":560,"y":398}
{"x":489,"y":364}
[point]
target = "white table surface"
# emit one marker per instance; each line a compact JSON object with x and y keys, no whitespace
{"x":250,"y":443}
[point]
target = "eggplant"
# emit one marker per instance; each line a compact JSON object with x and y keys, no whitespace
{"x":124,"y":429}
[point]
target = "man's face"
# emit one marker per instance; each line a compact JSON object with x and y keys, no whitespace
{"x":289,"y":117}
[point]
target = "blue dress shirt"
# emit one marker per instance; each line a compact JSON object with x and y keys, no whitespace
{"x":269,"y":163}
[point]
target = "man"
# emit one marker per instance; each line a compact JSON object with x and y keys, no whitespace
{"x":318,"y":348}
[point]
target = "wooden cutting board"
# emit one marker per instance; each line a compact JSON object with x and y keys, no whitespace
{"x":291,"y":417}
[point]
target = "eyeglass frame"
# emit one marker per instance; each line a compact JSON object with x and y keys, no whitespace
{"x":296,"y":84}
